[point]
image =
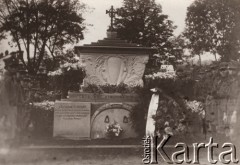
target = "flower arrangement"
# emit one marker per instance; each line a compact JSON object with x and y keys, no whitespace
{"x":45,"y":105}
{"x":181,"y":127}
{"x":162,"y":75}
{"x":196,"y":106}
{"x":113,"y":130}
{"x":56,"y":73}
{"x":74,"y":66}
{"x":67,"y":67}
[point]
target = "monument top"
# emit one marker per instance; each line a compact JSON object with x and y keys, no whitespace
{"x":112,"y":12}
{"x":113,"y":44}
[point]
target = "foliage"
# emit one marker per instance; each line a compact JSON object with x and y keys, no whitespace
{"x":69,"y":81}
{"x":179,"y":45}
{"x":48,"y":85}
{"x":220,"y":80}
{"x":41,"y":119}
{"x":172,"y":106}
{"x":39,"y":95}
{"x":68,"y":75}
{"x":170,"y":82}
{"x":176,"y":56}
{"x":214,"y":26}
{"x":142,"y":22}
{"x":172,"y":113}
{"x":34,"y":95}
{"x":169,"y":114}
{"x":40,"y":91}
{"x":64,"y":59}
{"x":121,"y":88}
{"x":41,"y":27}
{"x":139,"y":112}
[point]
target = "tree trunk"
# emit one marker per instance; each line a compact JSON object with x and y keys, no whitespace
{"x":200,"y":60}
{"x":215,"y":55}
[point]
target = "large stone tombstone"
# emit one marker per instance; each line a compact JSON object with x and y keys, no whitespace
{"x":72,"y":120}
{"x":110,"y":61}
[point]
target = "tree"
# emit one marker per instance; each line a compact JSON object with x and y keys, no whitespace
{"x":213,"y":25}
{"x":40,"y":27}
{"x":178,"y":47}
{"x":142,"y":22}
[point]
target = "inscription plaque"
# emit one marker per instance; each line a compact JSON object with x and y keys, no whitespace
{"x":72,"y":120}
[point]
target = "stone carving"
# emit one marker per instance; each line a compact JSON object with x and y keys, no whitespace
{"x":114,"y":69}
{"x":136,"y":67}
{"x":111,"y":69}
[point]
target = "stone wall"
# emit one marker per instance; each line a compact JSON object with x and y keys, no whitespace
{"x":223,"y":99}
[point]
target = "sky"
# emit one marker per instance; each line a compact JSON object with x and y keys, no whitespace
{"x":175,"y":9}
{"x":97,"y":17}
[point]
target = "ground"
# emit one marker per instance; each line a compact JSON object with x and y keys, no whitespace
{"x":72,"y":157}
{"x":78,"y":156}
{"x":94,"y":152}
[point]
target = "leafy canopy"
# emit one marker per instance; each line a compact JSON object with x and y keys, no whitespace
{"x":40,"y":27}
{"x":142,"y":22}
{"x":214,"y":25}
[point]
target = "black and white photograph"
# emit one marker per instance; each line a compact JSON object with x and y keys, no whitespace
{"x":119,"y":82}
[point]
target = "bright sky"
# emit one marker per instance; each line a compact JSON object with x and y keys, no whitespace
{"x":176,"y":9}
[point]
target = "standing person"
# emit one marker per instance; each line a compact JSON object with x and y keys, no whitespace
{"x":4,"y":120}
{"x":204,"y":124}
{"x":8,"y":102}
{"x":212,"y":123}
{"x":4,"y":134}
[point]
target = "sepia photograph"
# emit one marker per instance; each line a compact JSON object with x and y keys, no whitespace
{"x":119,"y":82}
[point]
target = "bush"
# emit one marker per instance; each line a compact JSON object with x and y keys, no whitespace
{"x":172,"y":110}
{"x":41,"y":117}
{"x":121,"y":88}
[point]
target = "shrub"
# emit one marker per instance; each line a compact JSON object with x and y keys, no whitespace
{"x":41,"y":117}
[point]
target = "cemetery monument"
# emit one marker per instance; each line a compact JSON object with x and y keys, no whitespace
{"x":110,"y":61}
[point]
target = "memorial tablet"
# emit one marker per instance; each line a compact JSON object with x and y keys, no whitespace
{"x":72,"y":120}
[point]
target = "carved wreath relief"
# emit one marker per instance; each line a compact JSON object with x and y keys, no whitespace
{"x":114,"y":69}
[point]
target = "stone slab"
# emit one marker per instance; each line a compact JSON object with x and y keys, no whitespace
{"x":72,"y":120}
{"x":115,"y":97}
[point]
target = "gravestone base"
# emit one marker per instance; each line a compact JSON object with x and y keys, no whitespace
{"x":86,"y":115}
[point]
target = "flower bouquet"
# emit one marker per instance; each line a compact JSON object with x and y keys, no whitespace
{"x":196,"y":106}
{"x":113,"y":130}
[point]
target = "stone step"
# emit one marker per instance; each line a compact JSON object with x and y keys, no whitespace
{"x":112,"y":44}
